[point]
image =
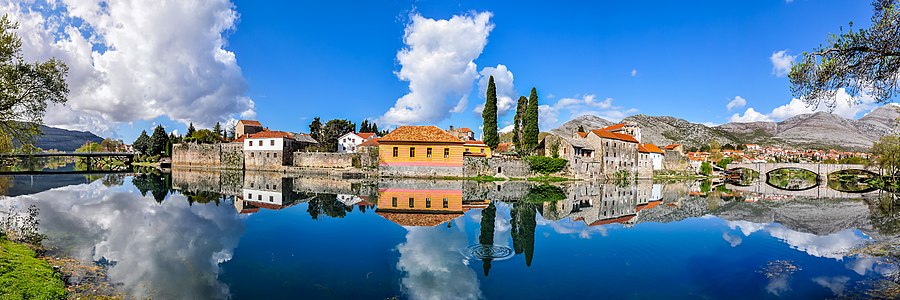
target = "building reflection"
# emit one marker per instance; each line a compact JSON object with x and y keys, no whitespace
{"x":266,"y":191}
{"x":420,"y":203}
{"x":597,"y":203}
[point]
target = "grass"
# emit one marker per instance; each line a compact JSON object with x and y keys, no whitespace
{"x":548,"y":178}
{"x":23,"y":276}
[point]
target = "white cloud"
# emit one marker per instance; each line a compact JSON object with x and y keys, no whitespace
{"x":433,"y":267}
{"x":137,"y":60}
{"x":633,"y":72}
{"x":438,"y":62}
{"x":750,"y":115}
{"x":781,"y":63}
{"x":737,"y":102}
{"x":508,"y":128}
{"x":549,"y":116}
{"x":503,"y":82}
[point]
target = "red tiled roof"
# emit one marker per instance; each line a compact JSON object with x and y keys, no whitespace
{"x":370,"y":143}
{"x":269,"y":134}
{"x":421,"y":134}
{"x":250,"y":122}
{"x":464,"y":129}
{"x":613,"y":127}
{"x":503,"y":147}
{"x":614,"y":135}
{"x":239,"y":139}
{"x":622,"y":219}
{"x":649,"y":148}
{"x":365,"y":135}
{"x":582,"y":134}
{"x":418,"y":219}
{"x":475,"y":143}
{"x":672,"y":146}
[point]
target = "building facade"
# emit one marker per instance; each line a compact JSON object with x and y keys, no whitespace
{"x":349,"y":142}
{"x":420,"y":151}
{"x":247,"y":127}
{"x":268,"y":150}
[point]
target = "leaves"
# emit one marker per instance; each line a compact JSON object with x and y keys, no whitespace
{"x":489,"y":115}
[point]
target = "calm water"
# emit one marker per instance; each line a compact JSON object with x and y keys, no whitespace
{"x":207,"y":235}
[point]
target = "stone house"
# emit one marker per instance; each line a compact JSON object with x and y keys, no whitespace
{"x":269,"y":150}
{"x":476,"y":148}
{"x":652,"y":156}
{"x":420,"y":151}
{"x":462,"y":133}
{"x":674,"y":147}
{"x":349,"y":142}
{"x":602,"y":153}
{"x":247,"y":127}
{"x":617,"y":151}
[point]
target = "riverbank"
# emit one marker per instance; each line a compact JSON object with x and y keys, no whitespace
{"x":25,"y":276}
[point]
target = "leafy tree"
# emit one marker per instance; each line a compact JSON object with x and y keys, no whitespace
{"x":204,"y":136}
{"x":723,"y":163}
{"x":581,"y":128}
{"x":142,"y":143}
{"x":856,"y":60}
{"x":333,"y":130}
{"x":190,"y":130}
{"x":887,"y":154}
{"x":489,"y":116}
{"x":25,"y":89}
{"x":364,"y":126}
{"x":158,"y":141}
{"x":523,"y":226}
{"x":519,"y":122}
{"x":218,"y":129}
{"x":530,"y":137}
{"x":706,"y":168}
{"x":315,"y":130}
{"x":546,"y":165}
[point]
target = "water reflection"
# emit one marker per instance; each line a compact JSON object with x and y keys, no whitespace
{"x":176,"y":235}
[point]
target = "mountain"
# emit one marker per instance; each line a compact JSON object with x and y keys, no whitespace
{"x":63,"y":139}
{"x":815,"y":130}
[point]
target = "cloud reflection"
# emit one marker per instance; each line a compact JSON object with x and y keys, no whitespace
{"x":834,"y":245}
{"x":433,"y":266}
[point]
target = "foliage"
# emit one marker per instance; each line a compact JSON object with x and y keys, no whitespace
{"x":887,"y":154}
{"x":217,"y":129}
{"x":190,"y":130}
{"x":489,"y":116}
{"x":706,"y":168}
{"x":158,"y":141}
{"x":111,"y":145}
{"x":530,"y":136}
{"x":327,"y":204}
{"x":580,"y":128}
{"x":723,"y":163}
{"x":365,"y":126}
{"x":159,"y":185}
{"x":333,"y":130}
{"x":90,"y":147}
{"x":554,"y":148}
{"x":316,"y":130}
{"x":522,"y":225}
{"x":26,"y":89}
{"x":544,"y":193}
{"x":486,"y":236}
{"x":856,"y":61}
{"x":203,"y":136}
{"x":519,"y":122}
{"x":142,"y":143}
{"x":854,"y":160}
{"x":546,"y":165}
{"x":23,"y":276}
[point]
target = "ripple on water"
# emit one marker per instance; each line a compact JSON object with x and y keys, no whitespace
{"x":493,"y":252}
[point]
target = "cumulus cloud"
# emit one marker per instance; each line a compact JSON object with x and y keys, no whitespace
{"x":781,"y":63}
{"x":508,"y":128}
{"x":433,"y":267}
{"x":137,"y":60}
{"x":503,"y":81}
{"x":549,"y":115}
{"x":737,"y":102}
{"x":438,"y":62}
{"x":845,"y":106}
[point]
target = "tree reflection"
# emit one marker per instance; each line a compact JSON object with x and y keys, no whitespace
{"x":885,"y":214}
{"x":157,"y":184}
{"x":327,"y":204}
{"x":523,"y":225}
{"x":486,"y":238}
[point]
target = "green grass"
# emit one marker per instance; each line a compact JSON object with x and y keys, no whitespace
{"x":548,"y":179}
{"x":22,"y":276}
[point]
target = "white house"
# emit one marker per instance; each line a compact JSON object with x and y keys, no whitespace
{"x":349,"y":143}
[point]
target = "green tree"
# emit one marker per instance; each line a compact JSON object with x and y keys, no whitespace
{"x":374,"y":128}
{"x":333,"y":130}
{"x":723,"y":163}
{"x":204,"y":136}
{"x":315,"y":130}
{"x":158,"y":141}
{"x":26,"y":89}
{"x":190,"y":130}
{"x":581,"y":128}
{"x":142,"y":143}
{"x":519,"y":122}
{"x":364,"y":126}
{"x":706,"y":168}
{"x":486,"y":237}
{"x":887,"y":154}
{"x":523,"y":226}
{"x":855,"y":60}
{"x":530,"y":137}
{"x":218,"y":129}
{"x":489,"y":116}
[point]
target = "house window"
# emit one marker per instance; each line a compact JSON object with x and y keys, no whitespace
{"x":467,"y":150}
{"x":251,"y":154}
{"x":259,"y":197}
{"x":250,"y":196}
{"x":411,"y":200}
{"x":251,"y":143}
{"x":446,"y":152}
{"x":267,"y":155}
{"x":446,"y":203}
{"x":412,"y":153}
{"x":275,"y":186}
{"x":482,"y":150}
{"x":394,"y":201}
{"x":428,"y":152}
{"x":272,"y":143}
{"x":427,"y":202}
{"x":271,"y":198}
{"x":396,"y":151}
{"x":275,"y":155}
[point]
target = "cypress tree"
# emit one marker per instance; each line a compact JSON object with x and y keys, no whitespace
{"x":518,"y":122}
{"x":375,"y":128}
{"x":364,"y":126}
{"x":141,"y":143}
{"x":489,"y":114}
{"x":315,"y":130}
{"x":218,"y":129}
{"x":580,"y":128}
{"x":190,"y":130}
{"x":158,"y":141}
{"x":530,"y":138}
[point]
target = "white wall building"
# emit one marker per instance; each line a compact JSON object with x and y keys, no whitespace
{"x":349,"y":143}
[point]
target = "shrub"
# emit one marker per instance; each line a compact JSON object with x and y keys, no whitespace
{"x":544,"y":193}
{"x":546,"y":165}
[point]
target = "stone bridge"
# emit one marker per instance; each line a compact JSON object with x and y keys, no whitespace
{"x":819,"y":191}
{"x":821,"y":170}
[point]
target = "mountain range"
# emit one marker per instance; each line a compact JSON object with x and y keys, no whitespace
{"x":63,"y":139}
{"x":819,"y":130}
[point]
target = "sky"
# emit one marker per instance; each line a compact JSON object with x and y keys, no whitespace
{"x":134,"y":64}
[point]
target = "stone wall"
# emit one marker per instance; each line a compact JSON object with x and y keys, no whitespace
{"x":325,"y":160}
{"x":495,"y":166}
{"x":216,"y":156}
{"x":582,"y":168}
{"x":227,"y":182}
{"x":419,"y":171}
{"x":267,"y":160}
{"x":674,"y":160}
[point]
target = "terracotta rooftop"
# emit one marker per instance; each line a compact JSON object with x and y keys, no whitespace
{"x":473,"y":142}
{"x":250,"y":122}
{"x":582,"y":134}
{"x":464,"y":129}
{"x":370,"y":143}
{"x":418,"y":219}
{"x":269,"y":134}
{"x":421,"y":134}
{"x":366,"y":135}
{"x":614,"y":135}
{"x":649,"y":148}
{"x":503,"y":147}
{"x":613,"y":127}
{"x":671,"y":146}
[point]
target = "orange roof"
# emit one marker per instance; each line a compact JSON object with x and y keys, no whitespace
{"x":365,"y":135}
{"x":582,"y":134}
{"x":649,"y":148}
{"x":250,"y":122}
{"x":622,"y":219}
{"x":614,"y":135}
{"x":239,"y":139}
{"x":476,"y":143}
{"x":269,"y":134}
{"x":503,"y":147}
{"x":613,"y":127}
{"x":671,"y":146}
{"x":420,"y":134}
{"x":418,"y":219}
{"x":369,"y":143}
{"x":464,"y":129}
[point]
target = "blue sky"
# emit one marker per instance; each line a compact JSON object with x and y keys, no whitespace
{"x":335,"y":59}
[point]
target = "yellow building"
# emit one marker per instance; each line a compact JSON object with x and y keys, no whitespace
{"x":476,"y":148}
{"x":415,"y":207}
{"x":420,"y":151}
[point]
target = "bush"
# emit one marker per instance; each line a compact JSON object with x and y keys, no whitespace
{"x":546,"y":165}
{"x":544,"y":193}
